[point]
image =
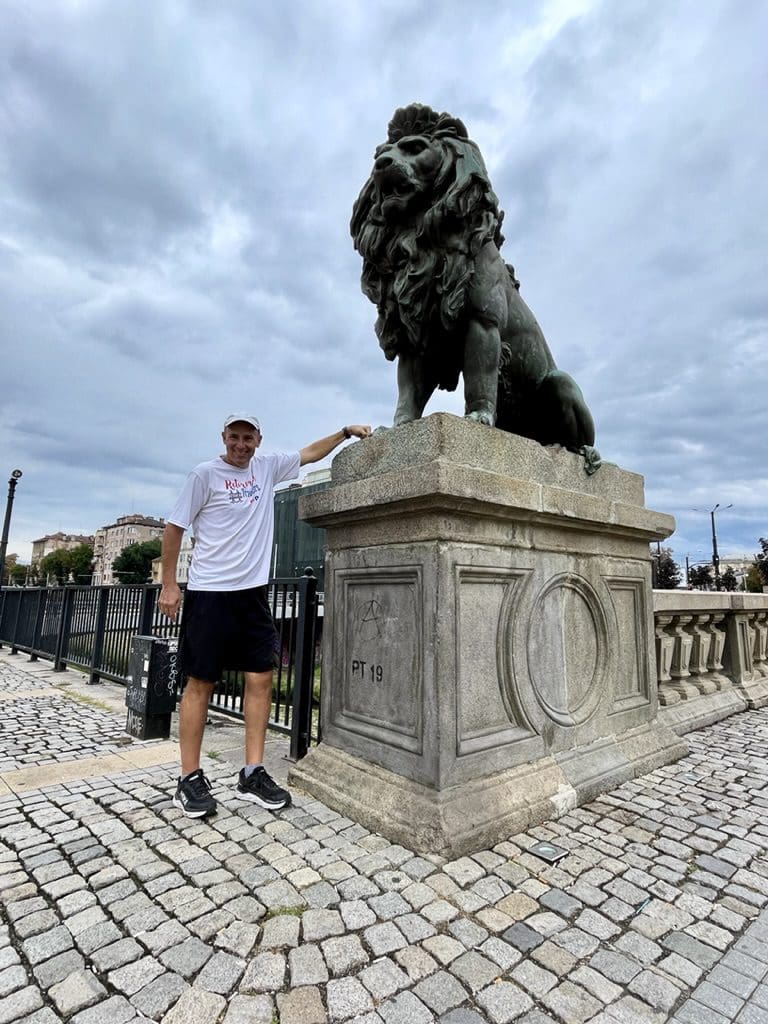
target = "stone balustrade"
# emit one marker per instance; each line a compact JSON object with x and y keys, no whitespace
{"x":711,"y":655}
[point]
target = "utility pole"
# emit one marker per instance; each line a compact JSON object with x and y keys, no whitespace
{"x":715,"y":555}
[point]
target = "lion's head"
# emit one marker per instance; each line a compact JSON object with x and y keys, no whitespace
{"x":421,"y":218}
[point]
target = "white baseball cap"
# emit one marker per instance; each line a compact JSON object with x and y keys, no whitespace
{"x":243,"y":417}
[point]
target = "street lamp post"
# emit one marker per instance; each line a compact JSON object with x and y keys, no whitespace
{"x":715,"y":555}
{"x":14,"y":479}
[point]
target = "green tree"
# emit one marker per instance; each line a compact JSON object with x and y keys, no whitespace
{"x":13,"y":573}
{"x":754,"y":580}
{"x":134,"y":563}
{"x":700,"y":577}
{"x":57,"y":565}
{"x":36,"y":577}
{"x":728,"y":580}
{"x":8,"y":565}
{"x":668,"y":575}
{"x":19,"y":574}
{"x":64,"y":565}
{"x":762,"y":561}
{"x":81,"y":563}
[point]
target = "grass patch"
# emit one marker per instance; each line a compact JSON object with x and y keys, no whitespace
{"x":213,"y":754}
{"x":280,"y":911}
{"x":91,"y":702}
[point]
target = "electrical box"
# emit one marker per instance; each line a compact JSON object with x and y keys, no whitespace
{"x":153,"y":680}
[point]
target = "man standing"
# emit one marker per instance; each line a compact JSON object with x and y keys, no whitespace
{"x":227,"y":621}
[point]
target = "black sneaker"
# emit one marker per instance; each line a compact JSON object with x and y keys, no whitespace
{"x":193,"y":795}
{"x":262,"y":789}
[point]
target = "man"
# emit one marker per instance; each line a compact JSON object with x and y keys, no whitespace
{"x":227,"y":621}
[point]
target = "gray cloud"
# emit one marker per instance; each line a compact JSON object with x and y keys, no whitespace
{"x":177,"y":181}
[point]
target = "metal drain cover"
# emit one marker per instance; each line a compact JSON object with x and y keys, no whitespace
{"x":548,"y":852}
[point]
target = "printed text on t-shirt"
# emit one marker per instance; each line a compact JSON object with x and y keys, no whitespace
{"x":243,"y":491}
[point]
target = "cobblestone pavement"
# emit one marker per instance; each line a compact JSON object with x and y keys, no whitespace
{"x":50,"y":729}
{"x":116,"y":908}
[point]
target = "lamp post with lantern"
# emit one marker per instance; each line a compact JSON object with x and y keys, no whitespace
{"x":715,"y":555}
{"x":14,"y":479}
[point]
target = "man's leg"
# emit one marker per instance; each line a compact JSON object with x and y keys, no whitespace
{"x":257,"y":705}
{"x":193,"y":792}
{"x":193,"y":713}
{"x":254,"y":782}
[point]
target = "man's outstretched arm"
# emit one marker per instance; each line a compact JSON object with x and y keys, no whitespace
{"x":319,"y":449}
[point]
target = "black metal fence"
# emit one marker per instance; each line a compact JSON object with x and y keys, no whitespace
{"x":90,"y":628}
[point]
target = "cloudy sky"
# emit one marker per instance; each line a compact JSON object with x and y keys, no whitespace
{"x":176,"y":185}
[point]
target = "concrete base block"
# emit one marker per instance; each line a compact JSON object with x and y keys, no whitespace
{"x":484,"y":811}
{"x":452,"y":822}
{"x":755,"y":691}
{"x":488,"y":656}
{"x":687,"y":716}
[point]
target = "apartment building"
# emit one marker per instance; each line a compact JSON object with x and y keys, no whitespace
{"x":182,"y":566}
{"x":57,"y":542}
{"x":110,"y":540}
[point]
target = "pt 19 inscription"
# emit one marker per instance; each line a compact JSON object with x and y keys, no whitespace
{"x":367,"y":670}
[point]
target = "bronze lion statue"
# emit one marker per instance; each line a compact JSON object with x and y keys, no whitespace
{"x":428,"y":227}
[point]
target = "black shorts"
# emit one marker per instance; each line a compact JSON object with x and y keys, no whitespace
{"x":226,"y":629}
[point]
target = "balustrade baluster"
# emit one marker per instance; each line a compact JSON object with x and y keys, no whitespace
{"x":699,"y":661}
{"x":716,"y":648}
{"x":681,"y":657}
{"x":665,"y":646}
{"x":760,"y":650}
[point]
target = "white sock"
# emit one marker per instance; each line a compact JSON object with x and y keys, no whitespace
{"x":249,"y":769}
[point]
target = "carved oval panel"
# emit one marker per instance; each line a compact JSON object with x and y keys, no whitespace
{"x":567,"y":649}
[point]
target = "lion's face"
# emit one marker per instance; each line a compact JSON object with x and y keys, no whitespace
{"x":421,"y":219}
{"x":404,"y":174}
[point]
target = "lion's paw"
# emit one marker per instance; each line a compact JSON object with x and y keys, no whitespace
{"x":592,"y":459}
{"x":481,"y":416}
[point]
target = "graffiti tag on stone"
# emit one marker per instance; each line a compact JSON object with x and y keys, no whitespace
{"x":370,"y":621}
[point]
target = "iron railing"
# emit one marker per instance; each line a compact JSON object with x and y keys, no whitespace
{"x":90,"y":628}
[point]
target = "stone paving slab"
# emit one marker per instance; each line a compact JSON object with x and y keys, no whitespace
{"x":94,"y":733}
{"x":116,"y":908}
{"x":54,"y":726}
{"x":22,"y":694}
{"x":26,"y":779}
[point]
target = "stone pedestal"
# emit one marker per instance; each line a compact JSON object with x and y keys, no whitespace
{"x":488,"y":650}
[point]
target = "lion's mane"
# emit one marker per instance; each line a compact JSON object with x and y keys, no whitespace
{"x":417,"y":272}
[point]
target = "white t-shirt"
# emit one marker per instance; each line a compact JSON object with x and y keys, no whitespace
{"x":232,"y":517}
